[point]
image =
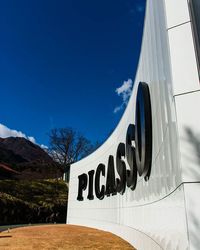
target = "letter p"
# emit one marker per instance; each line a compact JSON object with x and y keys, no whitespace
{"x":82,"y":186}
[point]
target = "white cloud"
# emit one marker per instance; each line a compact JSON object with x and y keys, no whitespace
{"x":126,"y":87}
{"x":117,"y":109}
{"x":124,"y":91}
{"x":32,"y":139}
{"x":7,"y":132}
{"x":43,"y":146}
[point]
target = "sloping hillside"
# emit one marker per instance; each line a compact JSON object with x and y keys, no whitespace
{"x":37,"y":201}
{"x":27,"y":158}
{"x":27,"y":195}
{"x":25,"y":149}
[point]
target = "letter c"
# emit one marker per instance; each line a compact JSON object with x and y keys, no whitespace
{"x":99,"y":192}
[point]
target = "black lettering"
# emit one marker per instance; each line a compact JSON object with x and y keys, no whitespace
{"x":121,"y":168}
{"x":99,"y":192}
{"x":110,"y":181}
{"x":139,"y":156}
{"x":81,"y":186}
{"x":90,"y":189}
{"x":130,"y":155}
{"x":143,"y":131}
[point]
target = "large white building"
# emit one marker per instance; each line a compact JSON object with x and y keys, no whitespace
{"x":143,"y":183}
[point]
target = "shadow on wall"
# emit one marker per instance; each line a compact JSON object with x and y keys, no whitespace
{"x":191,"y":155}
{"x":195,"y":141}
{"x":194,"y":224}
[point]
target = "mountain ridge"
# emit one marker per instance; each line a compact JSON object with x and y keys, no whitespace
{"x":28,"y":158}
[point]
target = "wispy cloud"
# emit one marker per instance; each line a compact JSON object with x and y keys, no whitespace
{"x":117,"y":109}
{"x":124,"y":91}
{"x":140,"y":7}
{"x":32,"y":139}
{"x":137,"y":8}
{"x":43,"y":146}
{"x":7,"y":132}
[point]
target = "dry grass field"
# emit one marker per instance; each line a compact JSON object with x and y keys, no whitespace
{"x":60,"y":237}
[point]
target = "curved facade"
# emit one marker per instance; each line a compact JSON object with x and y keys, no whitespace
{"x":161,"y":209}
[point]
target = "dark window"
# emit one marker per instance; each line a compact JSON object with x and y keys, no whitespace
{"x":195,"y":16}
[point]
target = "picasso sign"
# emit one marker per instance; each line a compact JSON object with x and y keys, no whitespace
{"x":137,"y":150}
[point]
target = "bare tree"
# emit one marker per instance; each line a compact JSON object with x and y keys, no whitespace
{"x":68,"y":146}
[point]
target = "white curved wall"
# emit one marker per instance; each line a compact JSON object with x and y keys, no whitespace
{"x":163,"y":212}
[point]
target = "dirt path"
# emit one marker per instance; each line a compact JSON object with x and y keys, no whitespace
{"x":60,"y":237}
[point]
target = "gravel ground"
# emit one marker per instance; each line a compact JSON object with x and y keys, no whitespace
{"x":60,"y":237}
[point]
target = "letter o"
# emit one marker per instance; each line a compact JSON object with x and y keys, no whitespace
{"x":143,"y":131}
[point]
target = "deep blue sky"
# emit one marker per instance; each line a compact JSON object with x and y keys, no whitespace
{"x":61,"y":61}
